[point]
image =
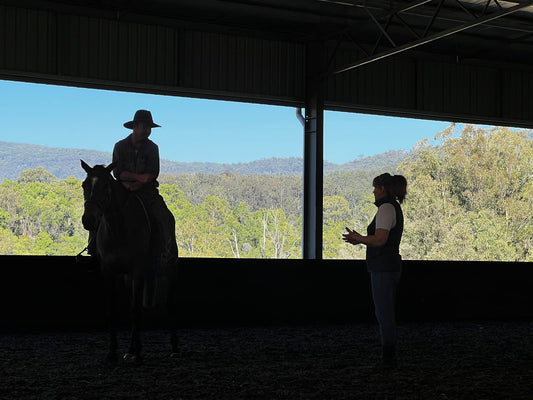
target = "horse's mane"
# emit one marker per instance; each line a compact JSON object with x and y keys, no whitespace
{"x":100,"y":169}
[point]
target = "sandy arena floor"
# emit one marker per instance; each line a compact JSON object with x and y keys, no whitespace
{"x":466,"y":360}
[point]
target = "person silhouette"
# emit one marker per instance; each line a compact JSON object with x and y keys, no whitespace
{"x":136,"y":165}
{"x":383,"y":259}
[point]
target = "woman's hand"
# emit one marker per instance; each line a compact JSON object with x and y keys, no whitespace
{"x":376,"y":240}
{"x":351,"y":237}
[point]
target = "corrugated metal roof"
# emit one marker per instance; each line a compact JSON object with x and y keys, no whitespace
{"x":468,"y":60}
{"x":371,"y":24}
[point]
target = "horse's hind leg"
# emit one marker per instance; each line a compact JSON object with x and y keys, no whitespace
{"x":111,"y":314}
{"x":172,"y":309}
{"x":173,"y":328}
{"x":134,"y":353}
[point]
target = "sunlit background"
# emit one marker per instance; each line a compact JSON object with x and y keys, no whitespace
{"x":232,"y":175}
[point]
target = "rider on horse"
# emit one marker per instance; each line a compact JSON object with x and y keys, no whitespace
{"x":136,"y":165}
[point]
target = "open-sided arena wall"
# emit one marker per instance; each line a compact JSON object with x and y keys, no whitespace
{"x":39,"y":292}
{"x":60,"y":43}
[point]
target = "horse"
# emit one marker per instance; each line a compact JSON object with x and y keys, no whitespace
{"x":122,"y":229}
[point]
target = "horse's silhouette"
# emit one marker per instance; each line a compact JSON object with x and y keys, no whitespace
{"x":123,"y":234}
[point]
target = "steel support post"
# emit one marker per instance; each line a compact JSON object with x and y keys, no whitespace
{"x":313,"y":152}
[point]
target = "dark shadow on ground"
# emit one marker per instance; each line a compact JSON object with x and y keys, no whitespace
{"x":466,"y":360}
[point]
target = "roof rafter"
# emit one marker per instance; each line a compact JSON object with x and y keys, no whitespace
{"x":427,"y":37}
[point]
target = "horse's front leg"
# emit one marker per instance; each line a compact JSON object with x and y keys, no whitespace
{"x":134,"y":353}
{"x":111,"y":314}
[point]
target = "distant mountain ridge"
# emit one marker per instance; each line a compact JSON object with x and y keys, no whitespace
{"x":63,"y":162}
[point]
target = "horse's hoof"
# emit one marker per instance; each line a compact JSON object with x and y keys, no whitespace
{"x":132,"y":359}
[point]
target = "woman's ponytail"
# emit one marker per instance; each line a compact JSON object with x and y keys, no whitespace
{"x":399,"y":187}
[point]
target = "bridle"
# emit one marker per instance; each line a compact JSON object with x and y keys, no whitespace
{"x":101,"y":205}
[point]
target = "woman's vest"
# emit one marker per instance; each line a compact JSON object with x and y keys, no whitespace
{"x":386,"y":258}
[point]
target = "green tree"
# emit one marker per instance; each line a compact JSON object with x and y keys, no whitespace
{"x":39,"y":175}
{"x":337,"y":215}
{"x":8,"y":242}
{"x":470,"y":198}
{"x":279,"y":237}
{"x":43,"y":244}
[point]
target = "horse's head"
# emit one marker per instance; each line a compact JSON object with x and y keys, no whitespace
{"x":96,"y":193}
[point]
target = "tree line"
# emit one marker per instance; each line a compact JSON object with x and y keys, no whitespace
{"x":469,"y":198}
{"x":16,"y":158}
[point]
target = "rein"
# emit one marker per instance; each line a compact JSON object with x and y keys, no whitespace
{"x":103,"y":209}
{"x":86,"y":247}
{"x":145,"y":212}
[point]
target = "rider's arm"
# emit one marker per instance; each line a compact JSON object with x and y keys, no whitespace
{"x":132,"y":176}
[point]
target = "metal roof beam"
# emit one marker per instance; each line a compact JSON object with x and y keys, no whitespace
{"x":436,"y":36}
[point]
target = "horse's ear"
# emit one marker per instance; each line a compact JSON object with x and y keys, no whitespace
{"x":110,"y":167}
{"x":85,"y":166}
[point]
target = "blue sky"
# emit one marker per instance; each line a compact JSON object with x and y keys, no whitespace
{"x":193,"y":129}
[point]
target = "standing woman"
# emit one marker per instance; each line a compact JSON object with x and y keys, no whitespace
{"x":383,"y":257}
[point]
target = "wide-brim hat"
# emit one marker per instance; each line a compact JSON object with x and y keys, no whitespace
{"x":142,"y":116}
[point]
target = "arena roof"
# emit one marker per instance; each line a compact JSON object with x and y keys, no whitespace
{"x":474,"y":29}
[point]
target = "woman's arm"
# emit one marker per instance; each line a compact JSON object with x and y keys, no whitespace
{"x":385,"y":221}
{"x":376,"y":240}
